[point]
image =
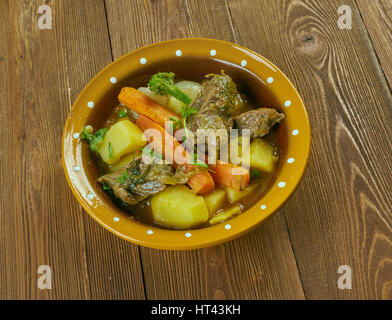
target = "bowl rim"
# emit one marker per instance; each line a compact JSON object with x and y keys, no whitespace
{"x":189,"y":243}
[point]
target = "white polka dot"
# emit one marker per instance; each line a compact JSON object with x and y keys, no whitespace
{"x":178,"y":53}
{"x":76,"y":135}
{"x":188,"y":234}
{"x":295,"y":132}
{"x":290,"y":160}
{"x":263,"y":207}
{"x":76,"y":168}
{"x":90,"y":196}
{"x":287,"y":103}
{"x":281,"y":184}
{"x":213,"y":52}
{"x":113,"y":80}
{"x":227,"y":227}
{"x":270,"y":80}
{"x":244,"y":63}
{"x":150,"y":232}
{"x":143,"y":60}
{"x":90,"y":104}
{"x":116,"y":219}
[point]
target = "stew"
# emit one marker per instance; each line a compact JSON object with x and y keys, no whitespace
{"x":186,"y":154}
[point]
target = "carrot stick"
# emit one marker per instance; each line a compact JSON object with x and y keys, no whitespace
{"x":162,"y":141}
{"x":230,"y":175}
{"x":142,"y":104}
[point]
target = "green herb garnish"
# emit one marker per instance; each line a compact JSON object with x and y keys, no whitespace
{"x":147,"y":151}
{"x":151,"y":153}
{"x":123,"y":114}
{"x":198,"y":162}
{"x":124,"y":177}
{"x":254,"y":174}
{"x":176,"y":124}
{"x":163,"y":83}
{"x":105,"y":187}
{"x":110,"y":149}
{"x":93,"y":139}
{"x":87,"y":133}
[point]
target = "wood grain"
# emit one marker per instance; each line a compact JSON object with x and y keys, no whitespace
{"x":42,"y":72}
{"x":377,"y":16}
{"x":259,"y":265}
{"x":341,"y":213}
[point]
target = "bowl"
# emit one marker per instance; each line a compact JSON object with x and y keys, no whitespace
{"x":189,"y":59}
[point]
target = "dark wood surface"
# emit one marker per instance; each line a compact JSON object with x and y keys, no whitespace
{"x":341,"y":214}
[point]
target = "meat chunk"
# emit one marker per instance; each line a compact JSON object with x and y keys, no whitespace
{"x":129,"y":195}
{"x":137,"y":181}
{"x":216,"y":103}
{"x":259,"y":121}
{"x":141,"y":179}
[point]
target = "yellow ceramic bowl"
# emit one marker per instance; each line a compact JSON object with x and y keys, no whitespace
{"x":189,"y":59}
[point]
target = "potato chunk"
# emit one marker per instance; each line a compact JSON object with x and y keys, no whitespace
{"x":124,"y":137}
{"x":124,"y":161}
{"x":161,"y":99}
{"x":226,"y":214}
{"x":262,"y":155}
{"x":214,"y":200}
{"x":190,"y":88}
{"x":179,"y":207}
{"x":235,"y":195}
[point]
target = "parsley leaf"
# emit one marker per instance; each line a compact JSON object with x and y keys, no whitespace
{"x":97,"y":140}
{"x":124,"y":177}
{"x":201,"y":164}
{"x":93,"y":139}
{"x":176,"y":123}
{"x":254,"y":173}
{"x":147,"y":151}
{"x":87,"y":133}
{"x":151,"y":153}
{"x":198,"y":162}
{"x":105,"y":186}
{"x":187,"y":111}
{"x":110,"y":149}
{"x":123,"y":114}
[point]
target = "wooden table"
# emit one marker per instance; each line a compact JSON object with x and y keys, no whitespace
{"x":341,"y":214}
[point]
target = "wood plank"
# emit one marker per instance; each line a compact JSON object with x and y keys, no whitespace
{"x":341,"y":213}
{"x":42,"y":72}
{"x":377,"y":16}
{"x":7,"y":245}
{"x":257,"y":266}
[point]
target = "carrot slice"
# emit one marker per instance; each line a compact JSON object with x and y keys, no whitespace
{"x":164,"y":143}
{"x":142,"y":104}
{"x":202,"y":183}
{"x":230,"y":175}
